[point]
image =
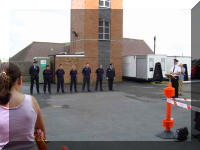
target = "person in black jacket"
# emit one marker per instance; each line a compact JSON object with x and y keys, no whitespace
{"x":34,"y":73}
{"x":73,"y":74}
{"x":110,"y":74}
{"x":99,"y":73}
{"x":47,"y":75}
{"x":60,"y":78}
{"x":86,"y":77}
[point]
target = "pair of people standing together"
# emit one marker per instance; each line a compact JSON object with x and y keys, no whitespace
{"x":60,"y":78}
{"x":178,"y":72}
{"x":34,"y":73}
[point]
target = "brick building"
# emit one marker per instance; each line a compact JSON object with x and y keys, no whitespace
{"x":96,"y":37}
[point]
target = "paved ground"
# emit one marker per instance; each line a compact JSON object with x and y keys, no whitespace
{"x":133,"y":112}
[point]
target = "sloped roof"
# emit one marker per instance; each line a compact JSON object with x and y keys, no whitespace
{"x":132,"y":47}
{"x":40,"y":49}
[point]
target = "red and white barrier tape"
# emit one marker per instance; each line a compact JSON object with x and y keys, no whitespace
{"x":182,"y":105}
{"x":182,"y":99}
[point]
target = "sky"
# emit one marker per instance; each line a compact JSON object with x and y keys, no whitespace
{"x":25,"y":21}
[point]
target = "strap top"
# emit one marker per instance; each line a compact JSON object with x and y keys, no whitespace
{"x":18,"y":123}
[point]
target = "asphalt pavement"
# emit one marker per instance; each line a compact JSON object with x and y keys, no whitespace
{"x":132,"y":112}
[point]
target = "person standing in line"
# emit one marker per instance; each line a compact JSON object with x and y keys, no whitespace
{"x":110,"y":74}
{"x":175,"y":72}
{"x":99,"y":73}
{"x":73,"y":74}
{"x":181,"y":79}
{"x":60,"y":78}
{"x":86,"y":77}
{"x":47,"y":75}
{"x":34,"y":73}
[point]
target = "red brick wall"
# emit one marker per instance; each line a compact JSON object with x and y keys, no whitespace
{"x":91,"y":33}
{"x":85,"y":20}
{"x":77,"y":25}
{"x":79,"y":62}
{"x":91,"y":23}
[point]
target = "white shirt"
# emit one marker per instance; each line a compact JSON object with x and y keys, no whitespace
{"x":176,"y":69}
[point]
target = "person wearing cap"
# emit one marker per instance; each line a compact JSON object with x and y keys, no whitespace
{"x":175,"y":72}
{"x":47,"y":75}
{"x":60,"y":78}
{"x":110,"y":75}
{"x":34,"y":73}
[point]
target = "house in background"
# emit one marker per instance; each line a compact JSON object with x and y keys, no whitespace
{"x":40,"y":49}
{"x":134,"y":47}
{"x":24,"y":58}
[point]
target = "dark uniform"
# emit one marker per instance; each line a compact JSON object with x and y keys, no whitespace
{"x":47,"y":75}
{"x":99,"y":73}
{"x":86,"y":78}
{"x":60,"y":80}
{"x":34,"y":73}
{"x":110,"y":74}
{"x":73,"y":74}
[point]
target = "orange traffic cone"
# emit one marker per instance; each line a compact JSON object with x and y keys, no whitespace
{"x":168,"y":123}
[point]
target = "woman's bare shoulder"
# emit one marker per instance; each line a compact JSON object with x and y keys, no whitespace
{"x":35,"y":104}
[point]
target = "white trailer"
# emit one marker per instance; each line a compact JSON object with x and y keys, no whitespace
{"x":182,"y":59}
{"x":142,"y":67}
{"x":129,"y":66}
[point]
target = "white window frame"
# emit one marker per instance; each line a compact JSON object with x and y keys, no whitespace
{"x":104,"y":3}
{"x":104,"y":29}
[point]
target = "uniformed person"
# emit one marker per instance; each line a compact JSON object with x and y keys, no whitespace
{"x":60,"y":78}
{"x":86,"y":77}
{"x":175,"y":72}
{"x":99,"y":73}
{"x":73,"y":74}
{"x":110,"y":74}
{"x":47,"y":75}
{"x":34,"y":73}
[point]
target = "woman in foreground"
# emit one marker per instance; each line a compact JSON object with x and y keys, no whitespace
{"x":20,"y":114}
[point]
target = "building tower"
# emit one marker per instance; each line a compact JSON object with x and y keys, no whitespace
{"x":96,"y":32}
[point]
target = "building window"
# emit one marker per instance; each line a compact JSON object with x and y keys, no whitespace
{"x":104,"y":3}
{"x":104,"y":29}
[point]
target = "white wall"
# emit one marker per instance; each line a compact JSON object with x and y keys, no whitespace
{"x":129,"y":66}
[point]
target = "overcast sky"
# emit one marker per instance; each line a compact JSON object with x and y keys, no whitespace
{"x":24,"y":21}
